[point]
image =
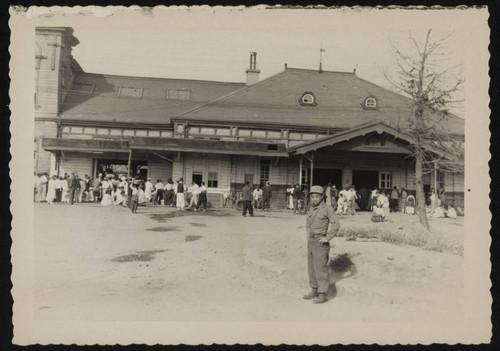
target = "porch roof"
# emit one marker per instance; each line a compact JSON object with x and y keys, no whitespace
{"x":165,"y":144}
{"x":351,"y":133}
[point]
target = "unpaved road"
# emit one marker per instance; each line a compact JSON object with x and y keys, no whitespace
{"x":107,"y":264}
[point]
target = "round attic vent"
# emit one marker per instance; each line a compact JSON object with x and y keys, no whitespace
{"x":308,"y":99}
{"x":370,"y":103}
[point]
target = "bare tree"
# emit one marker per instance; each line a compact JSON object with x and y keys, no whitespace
{"x":431,"y":90}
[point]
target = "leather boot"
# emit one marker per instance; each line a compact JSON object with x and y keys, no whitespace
{"x":312,"y":294}
{"x":321,"y":298}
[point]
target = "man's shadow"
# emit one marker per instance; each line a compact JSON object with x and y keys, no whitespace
{"x":341,"y":267}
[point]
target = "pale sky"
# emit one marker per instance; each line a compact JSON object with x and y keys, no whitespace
{"x":214,"y":43}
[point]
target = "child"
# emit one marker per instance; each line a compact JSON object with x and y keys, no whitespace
{"x":135,"y":197}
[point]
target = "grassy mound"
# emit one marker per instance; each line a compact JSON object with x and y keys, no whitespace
{"x":413,"y":234}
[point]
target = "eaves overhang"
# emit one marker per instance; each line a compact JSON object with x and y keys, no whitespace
{"x":209,"y":146}
{"x":165,"y":144}
{"x":84,"y":145}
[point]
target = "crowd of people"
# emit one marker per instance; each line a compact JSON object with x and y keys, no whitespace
{"x":348,"y":200}
{"x":126,"y":191}
{"x":118,"y":190}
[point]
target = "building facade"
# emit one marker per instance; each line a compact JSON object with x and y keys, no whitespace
{"x":298,"y":126}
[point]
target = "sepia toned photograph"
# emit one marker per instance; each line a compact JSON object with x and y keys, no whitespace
{"x":250,"y":175}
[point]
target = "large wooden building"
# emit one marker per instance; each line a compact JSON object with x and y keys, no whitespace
{"x":298,"y":126}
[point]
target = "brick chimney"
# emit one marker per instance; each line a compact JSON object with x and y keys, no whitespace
{"x":253,"y":72}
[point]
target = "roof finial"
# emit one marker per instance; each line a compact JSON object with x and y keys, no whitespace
{"x":321,"y":51}
{"x":355,"y":68}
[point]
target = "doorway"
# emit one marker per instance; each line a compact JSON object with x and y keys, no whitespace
{"x":322,"y":176}
{"x":365,"y":179}
{"x":197,"y":178}
{"x":137,"y":168}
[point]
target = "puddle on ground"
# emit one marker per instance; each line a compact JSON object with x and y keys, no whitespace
{"x":198,"y":224}
{"x":138,"y":256}
{"x":192,"y":237}
{"x":164,"y":229}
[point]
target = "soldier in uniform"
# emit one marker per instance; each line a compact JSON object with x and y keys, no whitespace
{"x":319,"y":218}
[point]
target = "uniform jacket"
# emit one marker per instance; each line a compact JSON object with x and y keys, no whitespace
{"x":319,"y":218}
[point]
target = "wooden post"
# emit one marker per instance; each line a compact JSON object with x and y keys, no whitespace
{"x":312,"y":168}
{"x":129,"y":162}
{"x":300,"y":172}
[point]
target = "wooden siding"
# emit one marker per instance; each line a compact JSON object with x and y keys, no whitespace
{"x":42,"y":157}
{"x":160,"y":170}
{"x":76,"y":163}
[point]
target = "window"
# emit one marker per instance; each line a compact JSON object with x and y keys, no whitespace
{"x":130,"y":92}
{"x":178,"y":94}
{"x":82,"y":87}
{"x":305,"y":176}
{"x":308,"y":99}
{"x":265,"y":165}
{"x":370,"y":103}
{"x":213,"y":181}
{"x":385,"y":180}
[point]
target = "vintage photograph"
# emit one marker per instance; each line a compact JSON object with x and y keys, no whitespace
{"x":252,"y":167}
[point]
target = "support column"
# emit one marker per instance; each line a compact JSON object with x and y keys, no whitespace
{"x":300,"y":172}
{"x":129,"y":162}
{"x":312,"y":168}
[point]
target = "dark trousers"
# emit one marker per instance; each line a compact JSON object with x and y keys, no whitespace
{"x":97,"y":195}
{"x":317,"y":261}
{"x":134,"y":203}
{"x":58,"y":195}
{"x":394,"y":205}
{"x":266,"y":204}
{"x":71,"y":195}
{"x":247,"y":205}
{"x":167,"y":199}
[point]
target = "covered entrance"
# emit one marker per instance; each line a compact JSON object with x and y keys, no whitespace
{"x":323,"y":176}
{"x":138,"y":168}
{"x":365,"y":179}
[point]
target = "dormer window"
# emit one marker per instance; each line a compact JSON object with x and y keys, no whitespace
{"x":308,"y":99}
{"x":370,"y":103}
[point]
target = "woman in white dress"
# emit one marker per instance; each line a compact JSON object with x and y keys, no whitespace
{"x":65,"y":195}
{"x":51,"y":190}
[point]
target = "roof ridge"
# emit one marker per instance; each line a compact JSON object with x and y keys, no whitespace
{"x":317,"y":71}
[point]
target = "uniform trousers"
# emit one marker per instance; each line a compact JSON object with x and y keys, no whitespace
{"x":317,"y":261}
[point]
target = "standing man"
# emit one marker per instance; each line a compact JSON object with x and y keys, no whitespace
{"x":267,"y":193}
{"x":179,"y":195}
{"x":394,"y":199}
{"x":74,"y":186}
{"x":319,"y":218}
{"x":404,"y":196}
{"x":246,"y":196}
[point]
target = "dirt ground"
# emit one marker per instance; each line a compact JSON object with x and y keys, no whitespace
{"x":105,"y":263}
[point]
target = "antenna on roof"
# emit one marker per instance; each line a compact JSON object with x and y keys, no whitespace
{"x":355,"y":68}
{"x":321,"y":51}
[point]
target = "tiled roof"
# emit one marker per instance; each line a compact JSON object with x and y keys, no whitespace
{"x":104,"y":104}
{"x":339,"y":97}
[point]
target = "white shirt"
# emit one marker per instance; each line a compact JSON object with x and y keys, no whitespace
{"x":195,"y":189}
